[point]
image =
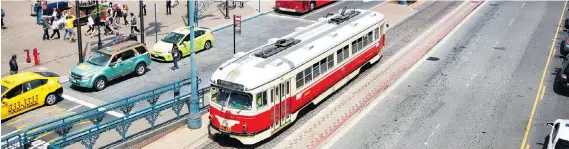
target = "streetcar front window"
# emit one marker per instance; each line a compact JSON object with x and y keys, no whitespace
{"x":231,"y":99}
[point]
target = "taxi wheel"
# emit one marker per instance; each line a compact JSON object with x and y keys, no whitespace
{"x":207,"y":45}
{"x":140,"y":69}
{"x":50,"y":99}
{"x":100,"y":84}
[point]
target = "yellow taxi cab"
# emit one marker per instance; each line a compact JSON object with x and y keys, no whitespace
{"x":25,"y":91}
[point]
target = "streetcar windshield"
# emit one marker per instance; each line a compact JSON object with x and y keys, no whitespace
{"x":231,"y":99}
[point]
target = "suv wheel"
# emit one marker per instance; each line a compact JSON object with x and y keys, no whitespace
{"x":100,"y":83}
{"x":50,"y":99}
{"x":140,"y":69}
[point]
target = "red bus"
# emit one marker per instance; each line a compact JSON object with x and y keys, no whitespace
{"x":300,"y":6}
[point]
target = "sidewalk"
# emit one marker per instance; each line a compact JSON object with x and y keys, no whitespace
{"x":59,"y":56}
{"x":186,"y":138}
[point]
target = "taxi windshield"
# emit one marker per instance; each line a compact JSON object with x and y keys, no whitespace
{"x":231,"y":99}
{"x":99,"y":58}
{"x":4,"y":89}
{"x":173,"y":37}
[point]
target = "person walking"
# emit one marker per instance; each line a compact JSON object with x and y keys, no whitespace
{"x":125,"y":13}
{"x":97,"y":24}
{"x":56,"y":25}
{"x":39,"y":12}
{"x":3,"y":14}
{"x":13,"y":65}
{"x":45,"y":26}
{"x":133,"y":23}
{"x":118,"y":14}
{"x":175,"y":55}
{"x":108,"y":29}
{"x":90,"y":23}
{"x":168,"y":7}
{"x":69,"y":27}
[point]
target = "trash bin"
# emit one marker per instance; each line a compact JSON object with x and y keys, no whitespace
{"x":403,"y":2}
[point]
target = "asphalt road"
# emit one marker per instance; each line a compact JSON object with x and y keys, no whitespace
{"x":479,"y":90}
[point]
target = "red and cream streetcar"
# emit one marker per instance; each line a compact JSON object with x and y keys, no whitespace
{"x":255,"y":94}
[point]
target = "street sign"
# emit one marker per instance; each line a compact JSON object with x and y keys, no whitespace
{"x":237,"y":24}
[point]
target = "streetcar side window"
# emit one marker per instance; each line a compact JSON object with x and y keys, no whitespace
{"x":360,"y":43}
{"x":365,"y":41}
{"x":316,"y":70}
{"x":369,"y":37}
{"x":323,"y":66}
{"x":287,"y":87}
{"x":300,"y":79}
{"x":346,"y":52}
{"x":376,"y":31}
{"x":261,"y":99}
{"x":307,"y":75}
{"x":330,"y":61}
{"x":272,"y":95}
{"x":340,"y":56}
{"x":354,"y":45}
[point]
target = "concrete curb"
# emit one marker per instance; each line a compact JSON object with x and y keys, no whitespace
{"x":324,"y":139}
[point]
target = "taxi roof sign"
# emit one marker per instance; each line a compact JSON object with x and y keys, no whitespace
{"x":8,"y":81}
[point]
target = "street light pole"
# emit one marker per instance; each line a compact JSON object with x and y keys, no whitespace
{"x":79,"y":44}
{"x":194,"y":119}
{"x":140,"y":6}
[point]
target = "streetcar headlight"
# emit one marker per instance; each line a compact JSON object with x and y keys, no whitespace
{"x":244,"y":127}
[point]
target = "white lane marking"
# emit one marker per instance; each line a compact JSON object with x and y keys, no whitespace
{"x":523,"y":5}
{"x":432,"y":133}
{"x":364,"y":112}
{"x":90,"y":105}
{"x":543,"y":92}
{"x":321,"y":8}
{"x":511,"y":22}
{"x":10,"y":133}
{"x":292,"y":18}
{"x":74,"y":107}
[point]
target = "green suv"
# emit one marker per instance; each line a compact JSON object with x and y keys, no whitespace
{"x":111,"y":63}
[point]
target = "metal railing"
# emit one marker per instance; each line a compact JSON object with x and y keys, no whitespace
{"x":100,"y":121}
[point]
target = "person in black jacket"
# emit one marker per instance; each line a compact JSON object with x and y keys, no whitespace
{"x":13,"y":65}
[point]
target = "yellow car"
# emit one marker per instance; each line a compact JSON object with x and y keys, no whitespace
{"x":28,"y":90}
{"x":162,"y":50}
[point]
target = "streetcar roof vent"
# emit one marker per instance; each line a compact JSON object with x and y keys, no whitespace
{"x":344,"y":16}
{"x":278,"y":46}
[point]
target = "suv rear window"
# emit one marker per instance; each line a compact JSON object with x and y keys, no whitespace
{"x":140,"y":49}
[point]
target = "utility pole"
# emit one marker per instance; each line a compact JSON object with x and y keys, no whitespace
{"x":194,"y":118}
{"x":156,"y":22}
{"x":140,"y":8}
{"x":100,"y":43}
{"x":234,"y":25}
{"x":79,"y":44}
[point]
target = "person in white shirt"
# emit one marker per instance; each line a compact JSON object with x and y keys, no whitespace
{"x":56,"y":25}
{"x":90,"y":23}
{"x":54,"y":14}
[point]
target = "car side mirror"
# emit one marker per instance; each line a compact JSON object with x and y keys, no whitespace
{"x":112,"y":64}
{"x":386,"y":25}
{"x":550,"y":124}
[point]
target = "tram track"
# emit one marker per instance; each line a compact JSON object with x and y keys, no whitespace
{"x":399,"y":35}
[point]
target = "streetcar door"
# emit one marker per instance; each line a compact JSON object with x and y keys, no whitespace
{"x":287,"y":103}
{"x":276,"y":107}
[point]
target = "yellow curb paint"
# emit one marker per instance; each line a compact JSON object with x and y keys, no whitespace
{"x":527,"y":146}
{"x":45,"y":134}
{"x":543,"y":92}
{"x":53,"y":140}
{"x":530,"y":121}
{"x":14,"y":122}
